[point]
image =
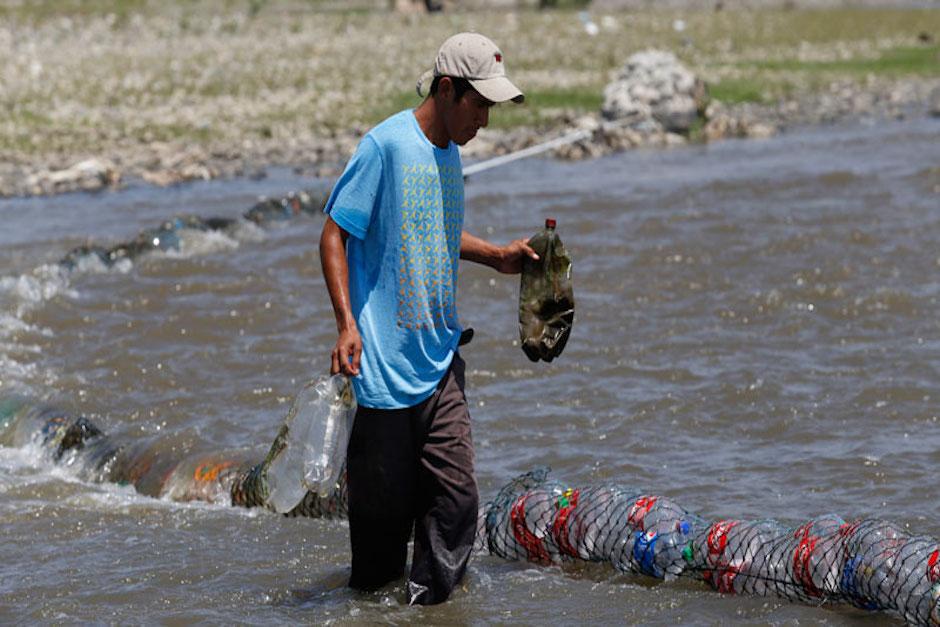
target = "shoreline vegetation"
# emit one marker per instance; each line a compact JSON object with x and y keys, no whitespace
{"x":173,"y":91}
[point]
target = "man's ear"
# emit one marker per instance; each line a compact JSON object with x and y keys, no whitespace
{"x":445,"y":87}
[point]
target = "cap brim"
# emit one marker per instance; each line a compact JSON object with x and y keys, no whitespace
{"x":498,"y":89}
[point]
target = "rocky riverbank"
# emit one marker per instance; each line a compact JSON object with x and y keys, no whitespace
{"x":181,"y":92}
{"x":167,"y":164}
{"x":840,"y":102}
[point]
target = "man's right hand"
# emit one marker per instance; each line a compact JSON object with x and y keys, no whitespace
{"x":345,"y":357}
{"x":346,"y":353}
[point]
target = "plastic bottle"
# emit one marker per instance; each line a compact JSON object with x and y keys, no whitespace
{"x":818,"y":555}
{"x":592,"y":526}
{"x":913,"y":579}
{"x":313,"y":451}
{"x":764,"y":547}
{"x":935,"y":604}
{"x":519,"y":522}
{"x":875,"y":542}
{"x":546,"y":299}
{"x":661,"y":531}
{"x":531,"y":518}
{"x":328,"y":435}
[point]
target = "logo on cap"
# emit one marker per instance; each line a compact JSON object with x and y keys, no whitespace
{"x":499,"y":57}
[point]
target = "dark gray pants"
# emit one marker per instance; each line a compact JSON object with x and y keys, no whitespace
{"x":410,"y":469}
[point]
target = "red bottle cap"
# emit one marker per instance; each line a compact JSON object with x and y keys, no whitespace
{"x":550,"y":223}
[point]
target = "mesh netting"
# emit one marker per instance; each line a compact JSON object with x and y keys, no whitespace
{"x":167,"y":235}
{"x":871,"y":563}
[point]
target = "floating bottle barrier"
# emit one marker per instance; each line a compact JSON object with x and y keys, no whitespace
{"x":166,"y":236}
{"x":869,"y":563}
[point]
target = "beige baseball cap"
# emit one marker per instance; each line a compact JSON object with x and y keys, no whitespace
{"x":477,"y":59}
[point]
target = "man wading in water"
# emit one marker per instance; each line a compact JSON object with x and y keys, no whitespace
{"x":389,"y":250}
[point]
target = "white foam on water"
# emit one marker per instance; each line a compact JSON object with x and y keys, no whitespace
{"x":10,"y":325}
{"x":14,"y":372}
{"x":124,"y":499}
{"x":247,"y":231}
{"x":194,"y":243}
{"x":23,"y":294}
{"x":20,"y":295}
{"x":28,"y":291}
{"x":31,"y":465}
{"x":18,"y":362}
{"x":14,"y":461}
{"x":92,"y":264}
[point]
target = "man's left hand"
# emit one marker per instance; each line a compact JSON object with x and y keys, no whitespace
{"x":513,"y":254}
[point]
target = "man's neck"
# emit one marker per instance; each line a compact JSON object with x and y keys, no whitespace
{"x":431,"y":123}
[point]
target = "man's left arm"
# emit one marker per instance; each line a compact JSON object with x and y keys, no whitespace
{"x":506,"y":259}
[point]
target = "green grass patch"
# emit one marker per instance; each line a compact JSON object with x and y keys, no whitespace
{"x":170,"y":132}
{"x":546,"y":104}
{"x":29,"y":118}
{"x":539,"y":106}
{"x":44,"y":10}
{"x":734,"y":91}
{"x":922,"y":60}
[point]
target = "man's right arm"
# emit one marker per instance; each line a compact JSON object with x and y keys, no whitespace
{"x":348,"y":349}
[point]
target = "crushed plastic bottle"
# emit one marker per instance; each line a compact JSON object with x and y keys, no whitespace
{"x":546,"y":298}
{"x":310,"y":451}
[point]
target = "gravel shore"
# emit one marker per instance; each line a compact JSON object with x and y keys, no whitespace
{"x":176,"y":92}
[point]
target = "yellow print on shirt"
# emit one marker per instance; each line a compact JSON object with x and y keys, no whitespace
{"x":431,"y":203}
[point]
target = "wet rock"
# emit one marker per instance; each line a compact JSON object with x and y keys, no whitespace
{"x":87,"y":175}
{"x":760,"y":130}
{"x":933,"y":103}
{"x":655,"y":92}
{"x":170,"y":168}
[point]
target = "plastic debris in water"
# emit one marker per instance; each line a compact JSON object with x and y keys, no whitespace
{"x":311,"y":453}
{"x":546,"y":298}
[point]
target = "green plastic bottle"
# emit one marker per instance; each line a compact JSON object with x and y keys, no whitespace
{"x":546,"y":298}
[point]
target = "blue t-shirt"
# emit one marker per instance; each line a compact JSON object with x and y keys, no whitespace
{"x":400,"y":199}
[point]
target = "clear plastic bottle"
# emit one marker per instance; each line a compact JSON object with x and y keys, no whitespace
{"x":875,"y":543}
{"x":763,"y":547}
{"x":328,"y":435}
{"x":313,"y":452}
{"x":935,"y":604}
{"x":661,"y":531}
{"x":519,"y":520}
{"x":818,"y":556}
{"x":593,"y":529}
{"x":913,"y":579}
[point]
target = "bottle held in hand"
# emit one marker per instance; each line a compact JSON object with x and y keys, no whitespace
{"x":310,"y":451}
{"x":546,"y":297}
{"x":328,"y":436}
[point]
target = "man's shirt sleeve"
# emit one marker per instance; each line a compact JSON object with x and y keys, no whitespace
{"x":355,"y":195}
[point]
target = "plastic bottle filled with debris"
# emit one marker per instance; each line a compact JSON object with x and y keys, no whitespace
{"x":546,"y":297}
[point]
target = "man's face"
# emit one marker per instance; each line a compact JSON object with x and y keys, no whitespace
{"x":465,"y":116}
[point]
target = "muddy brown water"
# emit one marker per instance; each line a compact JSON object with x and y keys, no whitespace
{"x":756,"y":337}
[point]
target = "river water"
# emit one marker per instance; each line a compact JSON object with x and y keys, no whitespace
{"x":756,"y":337}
